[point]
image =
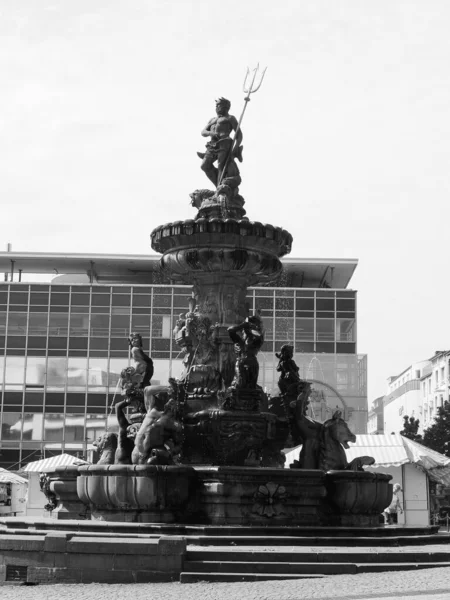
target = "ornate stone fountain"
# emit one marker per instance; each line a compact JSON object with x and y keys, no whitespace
{"x":207,"y":447}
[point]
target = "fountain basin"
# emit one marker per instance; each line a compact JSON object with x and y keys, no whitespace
{"x":136,"y":493}
{"x":357,"y":497}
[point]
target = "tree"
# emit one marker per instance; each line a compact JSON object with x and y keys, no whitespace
{"x":437,"y":436}
{"x":410,"y":429}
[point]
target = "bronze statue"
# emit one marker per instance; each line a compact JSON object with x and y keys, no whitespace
{"x":221,"y":148}
{"x":159,"y":438}
{"x":126,"y":435}
{"x":289,"y":377}
{"x":248,"y":338}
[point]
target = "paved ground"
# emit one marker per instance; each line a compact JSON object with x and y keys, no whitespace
{"x":427,"y":584}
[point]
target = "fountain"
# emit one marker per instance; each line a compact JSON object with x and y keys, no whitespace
{"x":207,"y":447}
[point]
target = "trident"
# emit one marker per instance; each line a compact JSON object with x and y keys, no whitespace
{"x":248,"y":90}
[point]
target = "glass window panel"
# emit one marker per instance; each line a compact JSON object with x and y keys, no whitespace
{"x":52,"y":399}
{"x":37,"y":324}
{"x":17,"y":323}
{"x":95,"y":426}
{"x":120,"y":326}
{"x":56,"y":372}
{"x":351,"y":294}
{"x":2,"y":321}
{"x":59,"y":299}
{"x":18,"y":297}
{"x":325,"y":347}
{"x":79,"y":324}
{"x":16,"y":341}
{"x":78,"y":343}
{"x":15,"y":369}
{"x":98,"y":374}
{"x":141,"y":323}
{"x":3,"y":297}
{"x":34,"y":398}
{"x":118,"y":289}
{"x":100,"y":299}
{"x":345,"y":315}
{"x":345,"y":304}
{"x":162,"y":300}
{"x":345,"y":330}
{"x":77,"y":373}
{"x":120,"y":310}
{"x":53,"y":427}
{"x":325,"y":304}
{"x":98,"y":344}
{"x":343,"y":348}
{"x":115,"y":368}
{"x":99,"y":325}
{"x":74,"y":428}
{"x":35,"y":375}
{"x":19,"y":308}
{"x":9,"y":459}
{"x":305,"y":294}
{"x":76,"y":399}
{"x":325,"y":315}
{"x":141,"y":300}
{"x":11,"y":426}
{"x":2,"y":344}
{"x":181,"y":301}
{"x":59,"y":323}
{"x":325,"y":330}
{"x":39,"y":298}
{"x":13,"y":398}
{"x":304,"y":304}
{"x":264,"y":303}
{"x":98,"y":400}
{"x":120,"y":343}
{"x":304,"y":346}
{"x":57,"y":343}
{"x":121,"y":300}
{"x":304,"y":329}
{"x":80,"y":299}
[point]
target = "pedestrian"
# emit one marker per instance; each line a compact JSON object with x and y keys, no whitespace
{"x":391,"y":512}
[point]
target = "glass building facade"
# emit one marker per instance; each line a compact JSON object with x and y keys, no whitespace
{"x":64,"y":347}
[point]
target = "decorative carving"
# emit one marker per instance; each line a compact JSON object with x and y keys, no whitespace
{"x":136,"y":378}
{"x":248,"y":338}
{"x":106,"y":445}
{"x":269,"y":500}
{"x":126,"y":435}
{"x":44,"y":485}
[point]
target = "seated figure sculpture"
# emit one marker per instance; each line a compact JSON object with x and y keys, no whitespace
{"x":158,"y":441}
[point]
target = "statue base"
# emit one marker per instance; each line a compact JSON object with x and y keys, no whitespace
{"x":260,"y":496}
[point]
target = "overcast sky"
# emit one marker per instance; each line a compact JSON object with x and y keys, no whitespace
{"x":347,"y":143}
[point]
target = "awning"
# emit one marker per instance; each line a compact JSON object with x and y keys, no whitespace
{"x":62,"y":460}
{"x":391,"y":451}
{"x":8,"y":477}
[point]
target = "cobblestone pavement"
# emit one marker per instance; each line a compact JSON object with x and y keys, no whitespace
{"x":426,"y":584}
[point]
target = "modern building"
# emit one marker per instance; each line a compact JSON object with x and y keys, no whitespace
{"x":435,"y":386}
{"x":65,"y":341}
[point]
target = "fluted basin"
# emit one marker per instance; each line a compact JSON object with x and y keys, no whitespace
{"x":358,"y":497}
{"x":136,"y":493}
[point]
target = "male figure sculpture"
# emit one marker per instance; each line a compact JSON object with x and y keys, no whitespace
{"x":219,"y":148}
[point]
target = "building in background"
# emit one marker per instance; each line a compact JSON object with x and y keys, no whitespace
{"x":417,"y":392}
{"x":375,"y":421}
{"x":65,"y":342}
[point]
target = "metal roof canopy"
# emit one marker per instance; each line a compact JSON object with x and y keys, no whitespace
{"x":138,"y":269}
{"x":61,"y":460}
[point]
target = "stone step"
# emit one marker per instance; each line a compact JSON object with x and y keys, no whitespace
{"x":287,"y":568}
{"x":251,"y":575}
{"x":300,"y":540}
{"x":314,"y":557}
{"x":191,"y":577}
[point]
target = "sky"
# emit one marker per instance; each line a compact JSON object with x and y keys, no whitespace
{"x":346,"y":144}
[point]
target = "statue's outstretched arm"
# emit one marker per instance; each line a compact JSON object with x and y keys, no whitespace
{"x":121,"y":418}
